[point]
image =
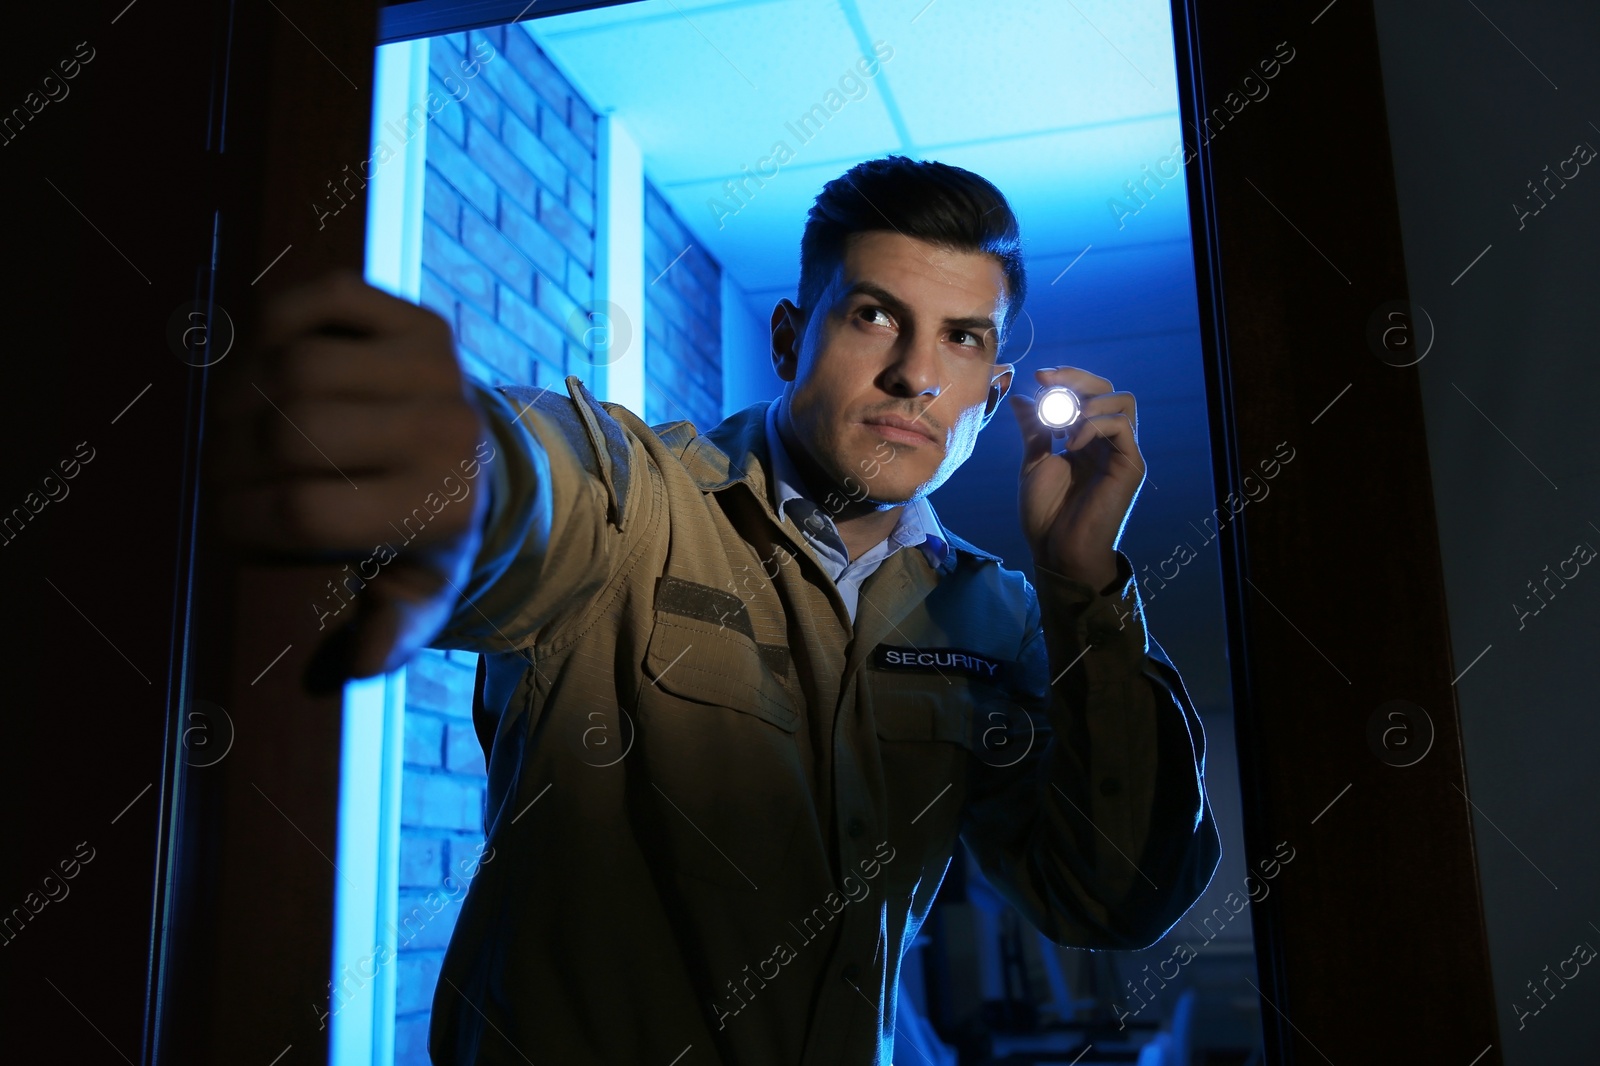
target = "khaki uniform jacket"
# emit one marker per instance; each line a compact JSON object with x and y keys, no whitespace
{"x":717,"y":810}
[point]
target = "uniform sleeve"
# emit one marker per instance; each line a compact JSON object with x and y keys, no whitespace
{"x":1102,"y":835}
{"x":562,"y":484}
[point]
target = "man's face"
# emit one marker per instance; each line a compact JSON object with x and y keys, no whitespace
{"x":906,"y":332}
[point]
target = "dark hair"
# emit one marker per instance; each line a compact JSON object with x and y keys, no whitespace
{"x":924,"y":199}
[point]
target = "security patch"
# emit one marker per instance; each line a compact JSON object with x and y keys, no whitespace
{"x":939,"y":660}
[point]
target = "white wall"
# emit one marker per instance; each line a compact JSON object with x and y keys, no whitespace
{"x":747,"y":374}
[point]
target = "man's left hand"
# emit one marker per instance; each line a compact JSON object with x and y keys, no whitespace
{"x":1073,"y":505}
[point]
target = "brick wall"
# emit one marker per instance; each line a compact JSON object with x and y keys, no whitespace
{"x":508,"y":235}
{"x":441,"y":822}
{"x":682,"y":321}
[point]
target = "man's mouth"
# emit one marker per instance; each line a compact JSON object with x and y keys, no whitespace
{"x":901,"y":430}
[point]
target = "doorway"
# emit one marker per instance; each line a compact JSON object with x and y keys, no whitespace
{"x":618,"y":193}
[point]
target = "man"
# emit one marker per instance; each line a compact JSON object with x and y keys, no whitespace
{"x":741,"y":691}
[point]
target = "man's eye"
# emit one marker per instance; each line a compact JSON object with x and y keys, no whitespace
{"x":871,"y":312}
{"x":973,"y":340}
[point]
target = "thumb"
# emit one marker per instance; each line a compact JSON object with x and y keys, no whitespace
{"x":396,"y":614}
{"x":1035,"y":434}
{"x":401,"y":609}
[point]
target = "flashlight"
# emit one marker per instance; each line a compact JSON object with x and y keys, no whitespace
{"x":1058,"y":407}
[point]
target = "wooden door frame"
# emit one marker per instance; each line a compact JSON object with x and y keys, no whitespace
{"x":244,"y":959}
{"x":1334,"y":590}
{"x":1342,"y":567}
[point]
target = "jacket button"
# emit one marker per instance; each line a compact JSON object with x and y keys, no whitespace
{"x":856,"y":827}
{"x":1110,"y":786}
{"x":851,"y":972}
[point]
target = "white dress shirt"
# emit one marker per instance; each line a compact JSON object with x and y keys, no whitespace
{"x":918,"y":525}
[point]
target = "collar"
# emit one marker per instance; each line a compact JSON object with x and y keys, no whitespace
{"x":737,"y":451}
{"x":918,"y":525}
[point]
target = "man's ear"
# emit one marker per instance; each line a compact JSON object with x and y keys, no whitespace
{"x":999,"y":385}
{"x":788,"y":327}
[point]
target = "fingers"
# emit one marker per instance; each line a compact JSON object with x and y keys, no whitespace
{"x":376,"y":643}
{"x":339,"y":303}
{"x":348,"y":438}
{"x":322,"y":366}
{"x":335,"y":516}
{"x":1115,"y":430}
{"x":1113,"y":403}
{"x":343,"y":493}
{"x":1081,"y":382}
{"x":395,"y":615}
{"x":350,"y":411}
{"x":1110,"y":417}
{"x":308,"y":337}
{"x":417,"y":360}
{"x":1097,"y":394}
{"x":348,"y":430}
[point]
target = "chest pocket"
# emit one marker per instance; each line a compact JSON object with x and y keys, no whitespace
{"x":923,"y":712}
{"x":718,"y":730}
{"x":930,"y":727}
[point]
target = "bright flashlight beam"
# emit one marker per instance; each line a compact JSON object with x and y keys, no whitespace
{"x":1058,"y":407}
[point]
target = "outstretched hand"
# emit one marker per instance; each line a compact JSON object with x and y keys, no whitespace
{"x":1073,"y":505}
{"x":350,"y":415}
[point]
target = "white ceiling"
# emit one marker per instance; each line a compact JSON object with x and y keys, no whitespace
{"x":1058,"y":102}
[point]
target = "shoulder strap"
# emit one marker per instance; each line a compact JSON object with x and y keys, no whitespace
{"x":594,"y":434}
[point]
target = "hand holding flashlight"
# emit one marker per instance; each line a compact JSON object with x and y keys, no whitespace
{"x":1075,"y":502}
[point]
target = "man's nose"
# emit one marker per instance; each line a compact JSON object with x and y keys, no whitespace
{"x":915,"y":369}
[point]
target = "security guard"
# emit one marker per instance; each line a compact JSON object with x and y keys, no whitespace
{"x":740,"y":691}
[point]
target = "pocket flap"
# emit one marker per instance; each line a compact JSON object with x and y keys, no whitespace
{"x":699,"y":661}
